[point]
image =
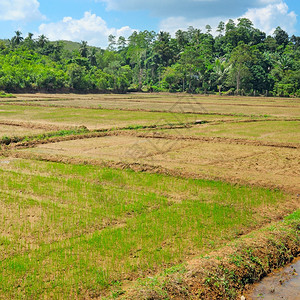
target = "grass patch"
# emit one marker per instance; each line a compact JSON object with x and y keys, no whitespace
{"x":80,"y":230}
{"x":228,"y":272}
{"x":5,"y":95}
{"x":91,"y":118}
{"x":7,"y":140}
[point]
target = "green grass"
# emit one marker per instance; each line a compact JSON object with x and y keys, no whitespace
{"x":6,"y":140}
{"x":5,"y":95}
{"x":295,"y":216}
{"x":79,"y":230}
{"x":276,"y":131}
{"x":230,"y":270}
{"x":91,"y":117}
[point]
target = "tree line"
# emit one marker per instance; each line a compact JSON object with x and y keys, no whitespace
{"x":239,"y":59}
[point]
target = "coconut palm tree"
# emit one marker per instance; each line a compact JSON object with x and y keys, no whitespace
{"x":221,"y":69}
{"x":92,"y":57}
{"x":83,"y":49}
{"x":42,"y":41}
{"x":17,"y":39}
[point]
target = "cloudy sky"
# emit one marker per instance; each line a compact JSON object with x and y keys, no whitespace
{"x":95,"y":20}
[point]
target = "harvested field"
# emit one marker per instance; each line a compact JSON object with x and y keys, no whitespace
{"x":95,"y":119}
{"x":17,"y":130}
{"x":286,"y":131}
{"x":112,"y":193}
{"x":282,"y":107}
{"x":261,"y":165}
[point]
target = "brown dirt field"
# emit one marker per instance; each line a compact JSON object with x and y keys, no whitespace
{"x":159,"y":97}
{"x":256,"y":165}
{"x":178,"y":134}
{"x":264,"y":131}
{"x":284,"y":107}
{"x":95,"y":118}
{"x":262,"y":154}
{"x":31,"y":126}
{"x":8,"y":129}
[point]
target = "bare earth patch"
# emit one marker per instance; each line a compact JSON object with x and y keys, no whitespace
{"x":268,"y":131}
{"x":18,"y":130}
{"x":262,"y":165}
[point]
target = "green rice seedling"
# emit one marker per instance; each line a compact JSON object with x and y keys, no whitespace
{"x":75,"y":230}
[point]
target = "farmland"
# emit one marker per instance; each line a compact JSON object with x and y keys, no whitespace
{"x":283,"y":107}
{"x":99,"y":192}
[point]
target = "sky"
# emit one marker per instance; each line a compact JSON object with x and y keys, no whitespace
{"x":94,"y":20}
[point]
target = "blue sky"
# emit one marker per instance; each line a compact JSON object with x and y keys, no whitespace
{"x":94,"y":20}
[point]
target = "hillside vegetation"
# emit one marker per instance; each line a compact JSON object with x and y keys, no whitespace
{"x":241,"y":59}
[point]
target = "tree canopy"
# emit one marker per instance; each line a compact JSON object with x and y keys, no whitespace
{"x":240,"y":59}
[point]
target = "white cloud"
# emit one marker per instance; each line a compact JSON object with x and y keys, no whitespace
{"x":20,"y":10}
{"x":274,"y":13}
{"x":271,"y":16}
{"x":194,"y":9}
{"x":90,"y":28}
{"x":179,"y":14}
{"x":172,"y":24}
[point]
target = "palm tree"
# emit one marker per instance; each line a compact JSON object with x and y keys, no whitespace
{"x":17,"y":39}
{"x":83,"y":49}
{"x":221,"y":70}
{"x":285,"y":62}
{"x":92,"y":57}
{"x":30,"y":35}
{"x":42,"y":41}
{"x":28,"y":41}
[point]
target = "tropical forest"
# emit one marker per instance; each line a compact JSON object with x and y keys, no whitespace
{"x":233,"y":59}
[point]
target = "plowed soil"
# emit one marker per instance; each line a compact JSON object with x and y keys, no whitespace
{"x":253,"y":164}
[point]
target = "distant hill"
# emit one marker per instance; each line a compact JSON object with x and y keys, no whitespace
{"x":70,"y":46}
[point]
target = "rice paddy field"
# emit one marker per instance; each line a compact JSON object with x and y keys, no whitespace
{"x":16,"y":130}
{"x":283,"y":107}
{"x":99,"y":192}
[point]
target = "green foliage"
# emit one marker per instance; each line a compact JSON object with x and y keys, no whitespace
{"x":241,"y":59}
{"x":5,"y":95}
